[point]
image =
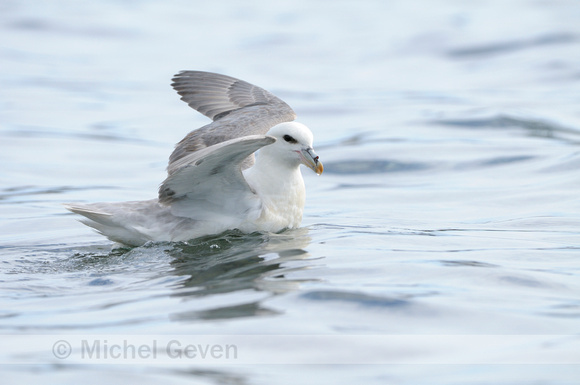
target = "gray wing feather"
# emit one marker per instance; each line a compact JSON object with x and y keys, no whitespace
{"x":199,"y":176}
{"x":216,"y":95}
{"x":236,"y":107}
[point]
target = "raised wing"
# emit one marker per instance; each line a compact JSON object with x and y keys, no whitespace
{"x":216,"y":95}
{"x":208,"y":184}
{"x":236,"y":107}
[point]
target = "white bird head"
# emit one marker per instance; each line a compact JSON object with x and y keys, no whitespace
{"x":294,"y":145}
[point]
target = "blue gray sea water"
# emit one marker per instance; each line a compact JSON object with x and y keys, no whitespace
{"x":440,"y":246}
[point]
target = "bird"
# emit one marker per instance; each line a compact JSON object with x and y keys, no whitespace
{"x":239,"y":172}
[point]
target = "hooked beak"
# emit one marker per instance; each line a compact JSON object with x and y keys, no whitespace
{"x":310,"y":160}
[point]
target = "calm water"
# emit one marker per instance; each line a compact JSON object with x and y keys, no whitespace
{"x":441,"y":244}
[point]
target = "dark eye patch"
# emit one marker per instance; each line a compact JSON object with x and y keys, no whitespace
{"x":289,"y":139}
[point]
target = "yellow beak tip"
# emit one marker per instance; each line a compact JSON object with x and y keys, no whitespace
{"x":319,"y":168}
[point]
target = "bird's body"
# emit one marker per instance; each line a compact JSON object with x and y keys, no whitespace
{"x":214,"y":183}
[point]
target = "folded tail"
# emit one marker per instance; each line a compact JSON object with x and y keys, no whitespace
{"x":108,"y":224}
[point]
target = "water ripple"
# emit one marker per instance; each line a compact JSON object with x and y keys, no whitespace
{"x":354,"y":297}
{"x":507,"y":47}
{"x":377,"y":166}
{"x":534,"y":126}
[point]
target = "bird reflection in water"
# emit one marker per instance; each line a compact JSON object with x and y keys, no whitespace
{"x":221,"y":268}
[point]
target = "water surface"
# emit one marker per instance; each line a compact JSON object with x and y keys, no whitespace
{"x":448,"y":208}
